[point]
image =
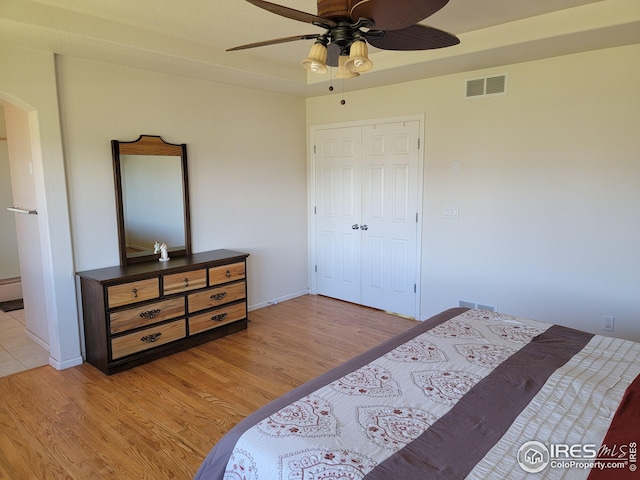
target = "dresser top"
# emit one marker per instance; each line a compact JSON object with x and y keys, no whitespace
{"x":188,"y":262}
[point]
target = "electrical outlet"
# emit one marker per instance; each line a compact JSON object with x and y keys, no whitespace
{"x":608,"y":323}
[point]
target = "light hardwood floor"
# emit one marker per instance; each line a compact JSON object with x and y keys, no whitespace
{"x":159,"y":420}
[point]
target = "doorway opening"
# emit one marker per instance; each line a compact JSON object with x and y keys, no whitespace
{"x":23,"y":342}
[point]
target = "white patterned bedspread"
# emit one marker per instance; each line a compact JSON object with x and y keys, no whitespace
{"x":362,"y":424}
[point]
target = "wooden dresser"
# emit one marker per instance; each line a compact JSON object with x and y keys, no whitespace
{"x":141,"y":312}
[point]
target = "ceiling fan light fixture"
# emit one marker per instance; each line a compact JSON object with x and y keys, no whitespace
{"x":359,"y":61}
{"x":343,"y":71}
{"x":351,"y":25}
{"x":316,"y":62}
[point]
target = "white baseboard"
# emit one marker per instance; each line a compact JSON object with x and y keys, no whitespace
{"x":73,"y":362}
{"x":36,"y":339}
{"x":277,"y":300}
{"x":10,"y":289}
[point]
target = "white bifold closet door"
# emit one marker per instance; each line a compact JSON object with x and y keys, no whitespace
{"x":366,"y":214}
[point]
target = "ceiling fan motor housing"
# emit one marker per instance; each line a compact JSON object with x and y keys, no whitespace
{"x":334,"y":9}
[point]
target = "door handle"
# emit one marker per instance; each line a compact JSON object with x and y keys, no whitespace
{"x":355,"y":227}
{"x":17,"y":209}
{"x":364,"y":227}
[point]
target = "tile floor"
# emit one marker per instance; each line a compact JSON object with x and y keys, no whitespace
{"x":17,"y":351}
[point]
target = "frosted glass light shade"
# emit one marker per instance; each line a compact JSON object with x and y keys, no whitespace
{"x":359,"y":57}
{"x":316,"y":62}
{"x":343,"y":71}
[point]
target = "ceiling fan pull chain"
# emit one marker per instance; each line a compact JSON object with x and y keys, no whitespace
{"x":343,"y":101}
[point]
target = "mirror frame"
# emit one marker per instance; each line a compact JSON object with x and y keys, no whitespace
{"x":149,"y":145}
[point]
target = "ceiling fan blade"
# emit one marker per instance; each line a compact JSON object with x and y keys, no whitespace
{"x":275,"y":41}
{"x":292,"y":13}
{"x":397,"y":14}
{"x":415,"y":37}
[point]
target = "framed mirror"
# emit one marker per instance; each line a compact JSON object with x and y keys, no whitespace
{"x":152,"y":198}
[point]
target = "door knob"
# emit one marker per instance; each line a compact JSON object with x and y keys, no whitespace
{"x":364,"y":227}
{"x":355,"y":227}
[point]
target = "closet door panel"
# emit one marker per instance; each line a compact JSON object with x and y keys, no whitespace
{"x":390,"y":160}
{"x":338,"y":211}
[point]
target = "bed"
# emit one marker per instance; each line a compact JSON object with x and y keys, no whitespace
{"x":465,"y":394}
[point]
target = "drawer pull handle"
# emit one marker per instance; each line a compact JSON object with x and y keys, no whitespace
{"x":151,"y":338}
{"x":135,"y":293}
{"x":186,"y":282}
{"x":218,"y":296}
{"x":228,"y":274}
{"x":150,"y":313}
{"x":219,"y":317}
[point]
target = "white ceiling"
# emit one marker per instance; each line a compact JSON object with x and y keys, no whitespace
{"x":190,"y":37}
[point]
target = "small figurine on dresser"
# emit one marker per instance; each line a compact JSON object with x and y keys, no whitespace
{"x":161,"y":248}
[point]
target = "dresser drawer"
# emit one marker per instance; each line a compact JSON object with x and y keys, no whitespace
{"x":182,"y":282}
{"x":216,"y":318}
{"x":146,"y":315}
{"x":148,"y":338}
{"x":226,"y":273}
{"x":133,"y":292}
{"x":216,"y":296}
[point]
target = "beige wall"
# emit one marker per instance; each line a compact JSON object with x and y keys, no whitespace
{"x":247,"y":166}
{"x":548,"y":190}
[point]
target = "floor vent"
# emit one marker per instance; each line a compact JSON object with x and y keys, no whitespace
{"x":487,"y":86}
{"x":477,"y":306}
{"x":486,"y":308}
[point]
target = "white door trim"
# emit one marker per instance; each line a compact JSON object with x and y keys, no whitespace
{"x":311,"y":197}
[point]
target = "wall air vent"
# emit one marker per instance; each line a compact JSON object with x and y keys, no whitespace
{"x":487,"y":86}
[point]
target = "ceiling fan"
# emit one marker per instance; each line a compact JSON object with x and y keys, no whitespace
{"x":351,"y":24}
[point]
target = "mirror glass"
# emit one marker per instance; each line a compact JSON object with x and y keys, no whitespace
{"x":151,"y":198}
